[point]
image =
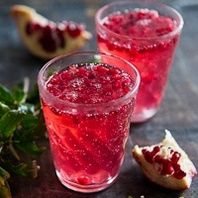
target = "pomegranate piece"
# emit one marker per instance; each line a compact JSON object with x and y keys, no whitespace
{"x":166,"y":163}
{"x":47,"y":39}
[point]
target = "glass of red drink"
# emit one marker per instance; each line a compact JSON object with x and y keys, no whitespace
{"x":87,"y":103}
{"x":146,"y":34}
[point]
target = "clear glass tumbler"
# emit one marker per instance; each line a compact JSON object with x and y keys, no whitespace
{"x":87,"y":139}
{"x":146,"y":34}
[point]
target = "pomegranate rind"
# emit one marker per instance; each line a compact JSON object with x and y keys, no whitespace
{"x":167,"y":181}
{"x":24,"y":14}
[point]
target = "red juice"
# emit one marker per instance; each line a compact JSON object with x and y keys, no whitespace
{"x":88,"y":147}
{"x":146,"y":39}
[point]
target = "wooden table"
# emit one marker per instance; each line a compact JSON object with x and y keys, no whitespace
{"x":178,"y":113}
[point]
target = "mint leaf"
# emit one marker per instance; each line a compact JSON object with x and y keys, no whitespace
{"x":21,"y":126}
{"x":19,"y":95}
{"x":22,"y":169}
{"x":3,"y":109}
{"x":29,"y":147}
{"x":29,"y":122}
{"x":4,"y":174}
{"x":9,"y":122}
{"x":5,"y":95}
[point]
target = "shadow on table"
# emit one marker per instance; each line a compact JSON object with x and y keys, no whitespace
{"x":135,"y":184}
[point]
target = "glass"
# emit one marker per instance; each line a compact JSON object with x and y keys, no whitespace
{"x":87,"y":140}
{"x":151,"y":54}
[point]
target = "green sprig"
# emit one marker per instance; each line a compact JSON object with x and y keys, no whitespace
{"x":21,"y":126}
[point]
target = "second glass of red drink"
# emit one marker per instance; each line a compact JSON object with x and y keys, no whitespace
{"x":146,"y":34}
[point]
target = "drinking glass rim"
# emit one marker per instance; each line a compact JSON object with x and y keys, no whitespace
{"x":46,"y":93}
{"x":169,"y":34}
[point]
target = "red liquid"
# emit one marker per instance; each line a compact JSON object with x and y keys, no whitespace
{"x":148,"y":50}
{"x":88,"y":147}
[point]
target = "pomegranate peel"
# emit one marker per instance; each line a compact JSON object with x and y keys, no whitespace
{"x":166,"y":163}
{"x":47,"y":39}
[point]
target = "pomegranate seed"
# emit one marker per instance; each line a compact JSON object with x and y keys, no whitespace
{"x":48,"y":43}
{"x":179,"y":174}
{"x":156,"y":149}
{"x":47,"y":29}
{"x":117,"y":77}
{"x":158,"y":159}
{"x":176,"y":167}
{"x":47,"y":39}
{"x":150,"y":155}
{"x":60,"y":35}
{"x":74,"y":30}
{"x":84,"y":180}
{"x":147,"y":155}
{"x":36,"y":27}
{"x":167,"y":168}
{"x":126,"y":88}
{"x":32,"y":27}
{"x":29,"y":29}
{"x":91,"y":76}
{"x":82,"y":72}
{"x":115,"y":72}
{"x":175,"y":157}
{"x":65,"y":75}
{"x":102,"y":70}
{"x":117,"y":85}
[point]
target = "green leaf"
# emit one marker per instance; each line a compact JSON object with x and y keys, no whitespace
{"x":9,"y":122}
{"x":41,"y":129}
{"x":29,"y":147}
{"x":21,"y":126}
{"x":5,"y":95}
{"x":29,"y":122}
{"x":19,"y":95}
{"x":4,"y":174}
{"x":3,"y":109}
{"x":22,"y":169}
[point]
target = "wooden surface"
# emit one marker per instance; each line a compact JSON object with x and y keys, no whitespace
{"x":178,"y":113}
